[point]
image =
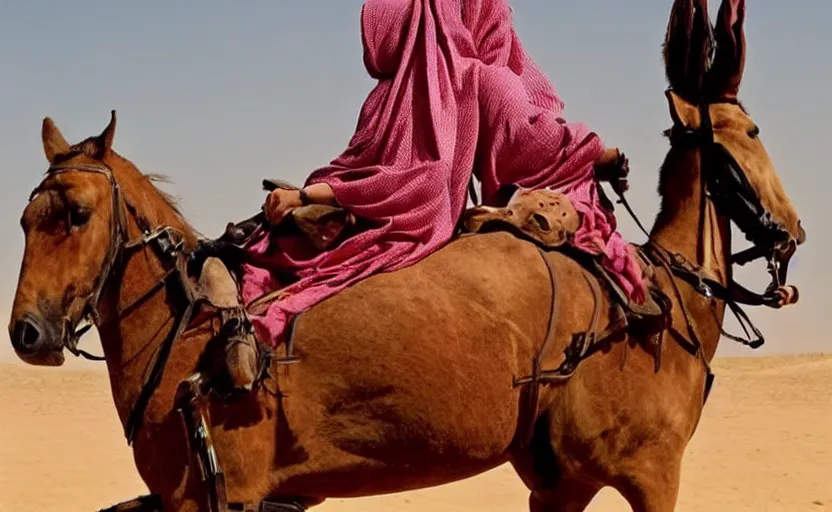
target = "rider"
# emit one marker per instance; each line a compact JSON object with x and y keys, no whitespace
{"x":456,"y":94}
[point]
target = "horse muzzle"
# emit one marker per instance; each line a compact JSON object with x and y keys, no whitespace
{"x":801,"y":235}
{"x":37,"y":340}
{"x":784,"y":251}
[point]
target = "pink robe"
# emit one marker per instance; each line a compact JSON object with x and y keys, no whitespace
{"x":456,"y":93}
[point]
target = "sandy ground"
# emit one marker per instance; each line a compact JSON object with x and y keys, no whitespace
{"x":764,"y":444}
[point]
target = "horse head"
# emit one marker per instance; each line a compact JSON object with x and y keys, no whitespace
{"x":704,"y":64}
{"x":76,"y":227}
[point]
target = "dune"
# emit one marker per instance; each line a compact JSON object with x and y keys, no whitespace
{"x":764,"y":444}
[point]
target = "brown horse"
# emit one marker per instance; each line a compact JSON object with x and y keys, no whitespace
{"x":407,"y":380}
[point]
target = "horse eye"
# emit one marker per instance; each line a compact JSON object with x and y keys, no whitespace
{"x":78,"y":217}
{"x":754,"y":132}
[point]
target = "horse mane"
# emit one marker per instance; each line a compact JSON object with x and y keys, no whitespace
{"x":676,"y":159}
{"x":171,"y":200}
{"x":677,"y":172}
{"x":148,"y":188}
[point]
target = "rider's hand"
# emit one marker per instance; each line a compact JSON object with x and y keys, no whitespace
{"x":279,"y":203}
{"x":613,"y":167}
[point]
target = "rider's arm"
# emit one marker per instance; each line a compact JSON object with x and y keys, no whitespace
{"x":320,"y":193}
{"x":280,"y":201}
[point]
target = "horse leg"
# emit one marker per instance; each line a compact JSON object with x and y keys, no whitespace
{"x":553,"y":487}
{"x":651,"y":487}
{"x":149,"y":503}
{"x":281,"y":506}
{"x":568,"y":496}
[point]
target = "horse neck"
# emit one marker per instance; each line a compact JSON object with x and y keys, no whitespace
{"x":689,"y":224}
{"x":129,"y":341}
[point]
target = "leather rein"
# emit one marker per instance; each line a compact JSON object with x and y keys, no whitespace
{"x":169,"y":245}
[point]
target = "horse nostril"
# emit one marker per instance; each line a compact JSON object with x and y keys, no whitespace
{"x":25,"y":335}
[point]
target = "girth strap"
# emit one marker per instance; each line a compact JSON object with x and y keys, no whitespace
{"x":579,"y":348}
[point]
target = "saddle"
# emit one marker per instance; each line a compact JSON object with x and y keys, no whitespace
{"x":323,"y":225}
{"x":543,"y":217}
{"x":549,"y":220}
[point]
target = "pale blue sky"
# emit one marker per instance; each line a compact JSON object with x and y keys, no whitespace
{"x":219,"y":94}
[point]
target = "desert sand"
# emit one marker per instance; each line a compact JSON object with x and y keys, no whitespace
{"x":764,"y":444}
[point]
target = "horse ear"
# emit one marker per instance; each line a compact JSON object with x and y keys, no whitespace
{"x":54,"y":142}
{"x":104,"y":142}
{"x":681,"y":112}
{"x":688,"y":47}
{"x":723,"y":80}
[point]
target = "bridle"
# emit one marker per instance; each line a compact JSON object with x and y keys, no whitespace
{"x":169,"y":246}
{"x":726,"y":185}
{"x":728,"y":188}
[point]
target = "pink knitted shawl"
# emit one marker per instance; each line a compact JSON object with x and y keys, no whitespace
{"x":456,"y":93}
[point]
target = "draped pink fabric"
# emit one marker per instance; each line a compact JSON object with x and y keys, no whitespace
{"x":456,"y":93}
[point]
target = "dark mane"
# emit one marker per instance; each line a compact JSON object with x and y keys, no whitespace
{"x":170,"y":199}
{"x":150,"y":180}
